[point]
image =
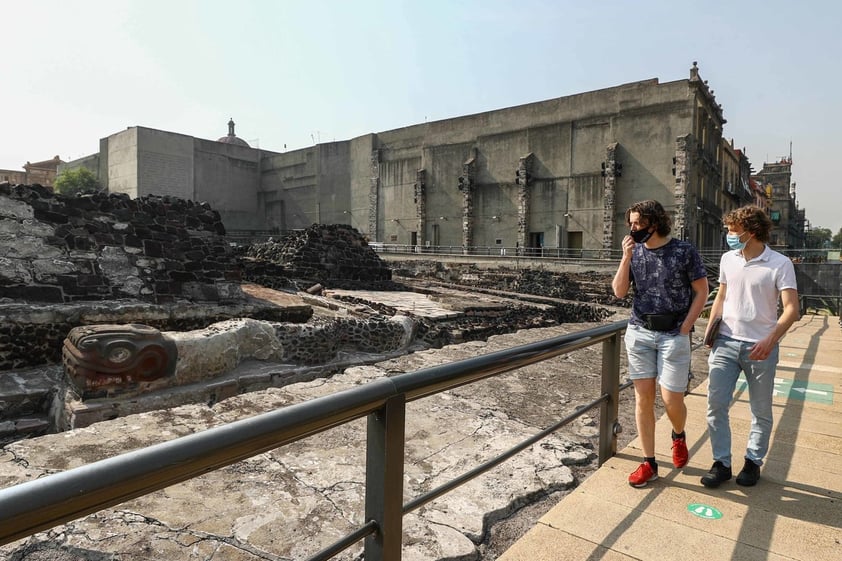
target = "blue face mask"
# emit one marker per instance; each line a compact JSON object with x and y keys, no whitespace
{"x":734,"y":241}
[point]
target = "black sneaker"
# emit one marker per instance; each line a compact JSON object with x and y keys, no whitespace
{"x":749,"y":475}
{"x":717,"y":474}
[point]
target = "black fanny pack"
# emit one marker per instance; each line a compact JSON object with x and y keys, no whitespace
{"x":661,"y":322}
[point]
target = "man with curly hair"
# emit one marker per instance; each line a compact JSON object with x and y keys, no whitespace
{"x":752,"y":280}
{"x":670,"y":290}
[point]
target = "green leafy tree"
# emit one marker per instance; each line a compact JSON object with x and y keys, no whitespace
{"x":837,"y":240}
{"x":818,"y":238}
{"x":74,"y":181}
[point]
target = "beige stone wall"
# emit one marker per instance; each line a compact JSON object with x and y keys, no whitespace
{"x":398,"y":199}
{"x":228,"y":177}
{"x":334,"y":195}
{"x":91,"y":162}
{"x":565,"y":199}
{"x":42,"y":173}
{"x":12,"y":176}
{"x":122,"y":162}
{"x":567,"y":138}
{"x":165,"y":165}
{"x":288,"y":190}
{"x":141,"y":161}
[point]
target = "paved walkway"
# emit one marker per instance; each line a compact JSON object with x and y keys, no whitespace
{"x":794,"y":512}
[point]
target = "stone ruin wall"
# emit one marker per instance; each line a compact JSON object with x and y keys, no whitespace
{"x":102,"y":246}
{"x":105,"y":258}
{"x":334,"y":255}
{"x":321,"y":342}
{"x":32,"y":335}
{"x":60,"y":255}
{"x":207,"y":368}
{"x":99,"y":258}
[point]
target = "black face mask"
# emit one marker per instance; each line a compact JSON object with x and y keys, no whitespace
{"x":640,"y":236}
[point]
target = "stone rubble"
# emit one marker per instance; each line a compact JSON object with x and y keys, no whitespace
{"x":335,"y":255}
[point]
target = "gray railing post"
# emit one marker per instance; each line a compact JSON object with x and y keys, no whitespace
{"x":609,"y":410}
{"x":384,"y":480}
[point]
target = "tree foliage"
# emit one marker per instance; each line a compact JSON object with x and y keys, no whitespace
{"x":817,"y":238}
{"x":837,"y":240}
{"x":74,"y":181}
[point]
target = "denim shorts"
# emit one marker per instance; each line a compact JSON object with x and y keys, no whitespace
{"x":659,"y":354}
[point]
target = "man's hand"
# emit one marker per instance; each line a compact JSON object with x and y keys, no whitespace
{"x":628,"y":246}
{"x":763,"y":348}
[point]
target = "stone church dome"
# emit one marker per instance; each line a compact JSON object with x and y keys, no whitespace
{"x":233,"y":138}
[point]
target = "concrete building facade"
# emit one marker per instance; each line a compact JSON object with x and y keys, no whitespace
{"x":141,"y":161}
{"x":555,"y":174}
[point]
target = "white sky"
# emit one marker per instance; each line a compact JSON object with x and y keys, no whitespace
{"x":295,"y":73}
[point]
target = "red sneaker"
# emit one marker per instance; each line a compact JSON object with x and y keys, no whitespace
{"x":679,"y":452}
{"x":642,"y":475}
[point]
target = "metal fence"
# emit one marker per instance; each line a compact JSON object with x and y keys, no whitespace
{"x":501,"y":252}
{"x":55,"y":499}
{"x":708,"y":256}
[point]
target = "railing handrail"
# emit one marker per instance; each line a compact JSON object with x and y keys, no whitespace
{"x":51,"y":500}
{"x":503,"y":252}
{"x":43,"y":503}
{"x":550,"y":252}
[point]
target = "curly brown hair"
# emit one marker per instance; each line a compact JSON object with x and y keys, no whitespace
{"x":752,"y":219}
{"x":653,"y":212}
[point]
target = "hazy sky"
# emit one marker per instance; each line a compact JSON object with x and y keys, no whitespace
{"x":292,"y":73}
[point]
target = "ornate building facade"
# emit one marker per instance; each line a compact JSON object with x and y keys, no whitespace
{"x":778,"y":188}
{"x":42,"y":173}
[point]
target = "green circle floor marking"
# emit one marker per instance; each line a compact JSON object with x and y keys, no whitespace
{"x":704,"y":511}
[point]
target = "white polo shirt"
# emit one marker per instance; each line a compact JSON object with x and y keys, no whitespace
{"x":753,"y":288}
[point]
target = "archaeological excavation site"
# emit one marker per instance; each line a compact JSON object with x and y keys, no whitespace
{"x":112,"y":306}
{"x":128,"y":322}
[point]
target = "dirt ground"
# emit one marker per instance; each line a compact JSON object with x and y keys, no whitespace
{"x":506,"y":532}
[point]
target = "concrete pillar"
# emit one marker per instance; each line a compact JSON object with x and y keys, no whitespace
{"x":609,"y":210}
{"x":374,"y":195}
{"x":466,"y":186}
{"x":681,"y":168}
{"x":421,"y":206}
{"x":522,"y":177}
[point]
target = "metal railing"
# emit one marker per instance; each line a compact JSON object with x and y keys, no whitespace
{"x":577,"y":254}
{"x":59,"y":498}
{"x":816,"y":302}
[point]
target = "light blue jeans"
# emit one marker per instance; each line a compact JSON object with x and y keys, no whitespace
{"x":727,"y":359}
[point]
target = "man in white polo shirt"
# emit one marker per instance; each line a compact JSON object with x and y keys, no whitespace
{"x":752,"y":280}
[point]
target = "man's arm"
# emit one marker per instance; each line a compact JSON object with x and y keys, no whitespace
{"x":622,"y":278}
{"x":716,"y":308}
{"x":791,"y":312}
{"x":700,"y":296}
